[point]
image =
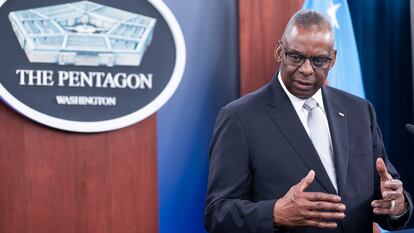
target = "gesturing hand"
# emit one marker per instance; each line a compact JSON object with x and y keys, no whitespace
{"x":314,"y":209}
{"x":393,"y":201}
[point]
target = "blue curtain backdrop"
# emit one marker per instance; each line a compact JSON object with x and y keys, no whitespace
{"x":382,"y":32}
{"x":185,"y":123}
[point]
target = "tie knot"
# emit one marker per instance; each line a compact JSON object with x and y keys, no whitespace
{"x":310,"y":104}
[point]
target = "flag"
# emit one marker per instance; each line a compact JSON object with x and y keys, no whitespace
{"x":346,"y":73}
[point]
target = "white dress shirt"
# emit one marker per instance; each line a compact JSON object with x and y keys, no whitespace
{"x":303,"y":116}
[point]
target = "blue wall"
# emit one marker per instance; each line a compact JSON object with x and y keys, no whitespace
{"x":186,"y":122}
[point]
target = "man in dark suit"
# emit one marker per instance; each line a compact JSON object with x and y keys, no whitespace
{"x":298,"y":156}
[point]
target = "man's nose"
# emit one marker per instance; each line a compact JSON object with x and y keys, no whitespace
{"x":306,"y":68}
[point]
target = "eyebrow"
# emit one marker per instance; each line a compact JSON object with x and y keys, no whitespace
{"x":296,"y":51}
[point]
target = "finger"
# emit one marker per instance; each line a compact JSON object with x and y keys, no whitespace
{"x":393,"y":184}
{"x":382,"y":169}
{"x":393,"y":211}
{"x":384,"y":207}
{"x":318,"y":196}
{"x":381,"y":211}
{"x":326,"y":206}
{"x":381,"y":207}
{"x":386,"y":203}
{"x":326,"y":216}
{"x":306,"y":181}
{"x":320,"y":224}
{"x":381,"y":204}
{"x":391,"y":195}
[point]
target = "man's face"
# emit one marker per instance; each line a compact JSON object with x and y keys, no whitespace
{"x":299,"y":43}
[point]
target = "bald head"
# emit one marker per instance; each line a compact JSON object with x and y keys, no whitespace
{"x":311,"y":21}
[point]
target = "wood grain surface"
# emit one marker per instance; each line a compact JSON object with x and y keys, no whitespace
{"x":54,"y":181}
{"x":261,"y":25}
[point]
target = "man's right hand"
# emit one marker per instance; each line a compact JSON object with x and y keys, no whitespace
{"x":311,"y":209}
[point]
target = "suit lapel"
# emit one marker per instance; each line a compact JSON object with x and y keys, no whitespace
{"x":284,"y":116}
{"x":339,"y":135}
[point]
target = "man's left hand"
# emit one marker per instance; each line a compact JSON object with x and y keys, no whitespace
{"x":393,"y":201}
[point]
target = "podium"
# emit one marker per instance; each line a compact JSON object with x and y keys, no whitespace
{"x":53,"y":181}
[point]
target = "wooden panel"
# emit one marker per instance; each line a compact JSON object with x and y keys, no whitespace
{"x":261,"y":26}
{"x":53,"y":181}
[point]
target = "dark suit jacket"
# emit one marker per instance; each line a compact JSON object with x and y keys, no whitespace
{"x":260,"y":149}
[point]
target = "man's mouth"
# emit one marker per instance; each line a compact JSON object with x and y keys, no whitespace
{"x":303,"y":85}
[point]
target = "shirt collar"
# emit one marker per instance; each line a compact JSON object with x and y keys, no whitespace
{"x":298,"y":102}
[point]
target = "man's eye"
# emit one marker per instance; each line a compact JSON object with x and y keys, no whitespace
{"x":296,"y":57}
{"x":319,"y":61}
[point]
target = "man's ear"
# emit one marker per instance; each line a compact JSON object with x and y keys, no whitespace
{"x":333,"y":59}
{"x":278,"y":52}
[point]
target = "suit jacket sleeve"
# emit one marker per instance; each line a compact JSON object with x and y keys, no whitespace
{"x":379,"y":151}
{"x":229,"y":207}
